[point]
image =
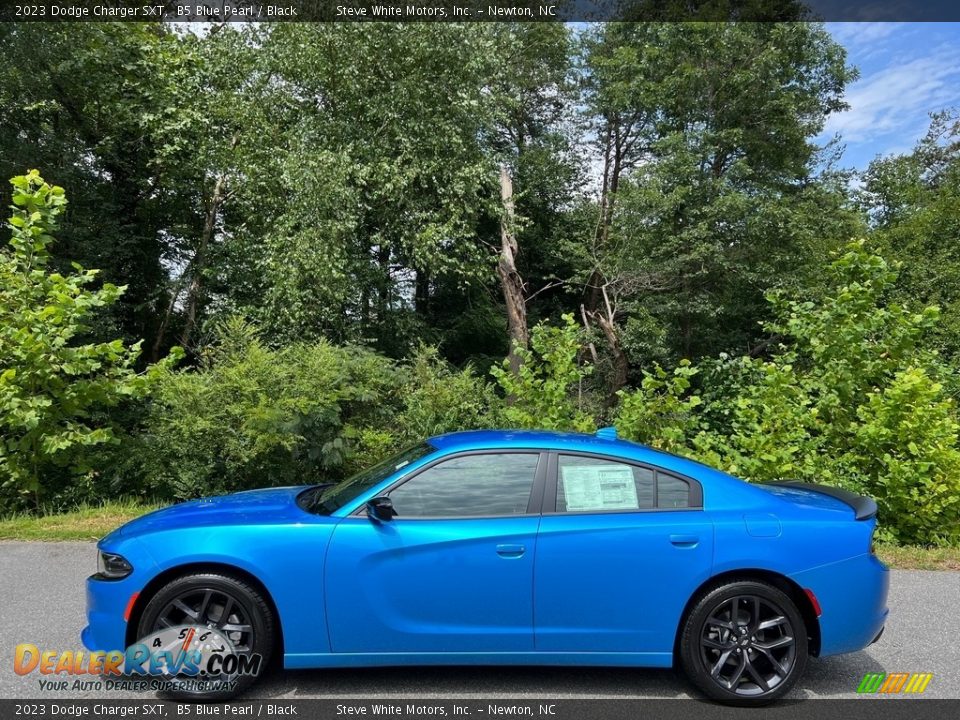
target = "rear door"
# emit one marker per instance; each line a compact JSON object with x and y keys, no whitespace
{"x":620,"y":550}
{"x":452,"y":572}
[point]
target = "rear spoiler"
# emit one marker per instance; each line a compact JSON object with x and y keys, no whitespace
{"x":863,"y":507}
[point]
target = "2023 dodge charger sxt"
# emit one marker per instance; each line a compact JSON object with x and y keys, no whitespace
{"x":512,"y":547}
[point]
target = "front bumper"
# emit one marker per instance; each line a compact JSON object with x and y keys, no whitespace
{"x":106,"y":603}
{"x":853,"y":597}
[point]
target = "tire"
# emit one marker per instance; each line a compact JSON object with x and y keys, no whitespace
{"x":202,"y":592}
{"x":744,"y":643}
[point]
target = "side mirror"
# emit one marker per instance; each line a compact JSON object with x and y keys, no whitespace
{"x":380,"y":508}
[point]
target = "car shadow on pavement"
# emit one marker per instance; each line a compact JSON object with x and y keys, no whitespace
{"x":829,"y":677}
{"x":471,"y":682}
{"x":839,"y":675}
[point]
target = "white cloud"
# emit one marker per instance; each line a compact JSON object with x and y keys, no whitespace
{"x":862,"y":33}
{"x":890,"y":100}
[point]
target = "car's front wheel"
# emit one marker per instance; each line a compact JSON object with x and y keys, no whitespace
{"x":744,"y":643}
{"x":228,"y":610}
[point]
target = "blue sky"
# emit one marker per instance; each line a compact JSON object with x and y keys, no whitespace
{"x":907,"y":70}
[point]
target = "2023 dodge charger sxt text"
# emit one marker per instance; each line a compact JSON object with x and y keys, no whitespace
{"x":511,"y":547}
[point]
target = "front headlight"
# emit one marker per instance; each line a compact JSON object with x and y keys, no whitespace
{"x":111,"y":566}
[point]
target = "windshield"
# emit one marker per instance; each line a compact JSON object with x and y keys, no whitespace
{"x":323,"y":500}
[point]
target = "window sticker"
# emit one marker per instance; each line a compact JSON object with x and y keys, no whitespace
{"x":599,"y":487}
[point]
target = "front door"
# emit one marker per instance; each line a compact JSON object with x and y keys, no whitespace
{"x":451,"y":573}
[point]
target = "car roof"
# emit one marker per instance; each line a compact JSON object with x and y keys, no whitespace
{"x":604,"y":442}
{"x":546,"y":439}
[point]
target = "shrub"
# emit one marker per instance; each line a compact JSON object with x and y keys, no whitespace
{"x":253,"y":416}
{"x":53,"y":386}
{"x":661,"y":412}
{"x":547,"y":392}
{"x":438,"y":398}
{"x":432,"y":397}
{"x":850,"y":398}
{"x":905,"y":454}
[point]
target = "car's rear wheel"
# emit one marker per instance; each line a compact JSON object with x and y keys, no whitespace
{"x":744,"y":643}
{"x":230,"y":607}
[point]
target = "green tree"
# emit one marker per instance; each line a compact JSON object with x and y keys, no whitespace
{"x":100,"y":111}
{"x":52,"y":384}
{"x":531,"y":93}
{"x":378,"y":185}
{"x":914,"y":204}
{"x":710,"y":193}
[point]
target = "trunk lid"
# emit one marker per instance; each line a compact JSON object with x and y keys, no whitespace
{"x":823,"y":496}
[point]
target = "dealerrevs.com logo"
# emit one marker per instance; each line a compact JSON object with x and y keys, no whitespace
{"x":187,"y":658}
{"x":894,"y":683}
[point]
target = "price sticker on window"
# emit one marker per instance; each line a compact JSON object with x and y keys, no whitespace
{"x":599,"y":487}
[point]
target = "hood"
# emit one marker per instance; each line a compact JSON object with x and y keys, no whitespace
{"x":259,"y":507}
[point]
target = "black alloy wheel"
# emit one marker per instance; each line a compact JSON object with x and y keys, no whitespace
{"x":744,"y":643}
{"x":225,"y":604}
{"x":212,"y":608}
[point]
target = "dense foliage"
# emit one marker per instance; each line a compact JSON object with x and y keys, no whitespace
{"x":364,"y":234}
{"x":54,"y":386}
{"x":252,"y":416}
{"x":849,"y":398}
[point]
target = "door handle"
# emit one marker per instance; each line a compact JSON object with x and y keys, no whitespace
{"x":685,"y":541}
{"x":510,"y":551}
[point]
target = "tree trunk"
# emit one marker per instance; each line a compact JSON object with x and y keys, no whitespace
{"x":613,"y":156}
{"x":607,"y":320}
{"x":199,"y":258}
{"x":164,"y":324}
{"x":383,"y":291}
{"x":510,"y":280}
{"x":421,"y":294}
{"x":620,"y":363}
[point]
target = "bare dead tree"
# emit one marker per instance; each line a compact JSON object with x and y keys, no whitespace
{"x":510,"y":280}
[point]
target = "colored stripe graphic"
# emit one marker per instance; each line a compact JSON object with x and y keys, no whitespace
{"x":870,"y":683}
{"x":913,"y":683}
{"x":894,"y":682}
{"x":918,"y":683}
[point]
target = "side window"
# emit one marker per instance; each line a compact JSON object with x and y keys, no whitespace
{"x":672,"y":492}
{"x":585,"y":484}
{"x":472,"y":485}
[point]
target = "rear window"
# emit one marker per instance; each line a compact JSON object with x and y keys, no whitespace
{"x":587,"y":484}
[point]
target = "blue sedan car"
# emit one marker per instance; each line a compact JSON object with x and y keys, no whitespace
{"x":512,"y":548}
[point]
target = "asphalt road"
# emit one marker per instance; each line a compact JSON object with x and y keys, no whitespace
{"x":42,"y":602}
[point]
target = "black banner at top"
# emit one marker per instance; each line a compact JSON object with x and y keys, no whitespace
{"x":218,"y":11}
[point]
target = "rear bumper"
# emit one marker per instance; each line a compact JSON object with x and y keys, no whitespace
{"x":853,"y":597}
{"x":879,"y":635}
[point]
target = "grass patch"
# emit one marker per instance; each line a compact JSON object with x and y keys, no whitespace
{"x":919,"y":558}
{"x":87,"y":522}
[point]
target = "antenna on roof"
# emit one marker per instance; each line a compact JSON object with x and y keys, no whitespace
{"x":607,"y":433}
